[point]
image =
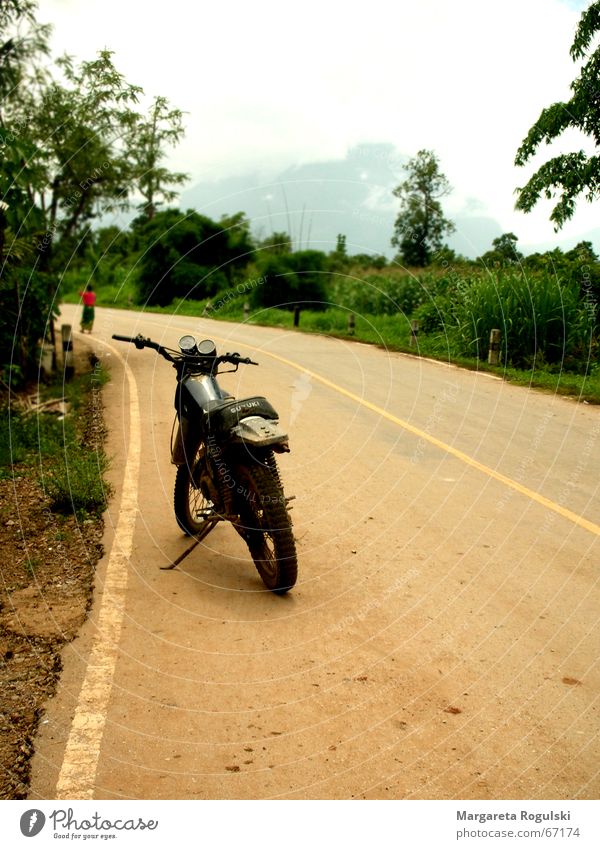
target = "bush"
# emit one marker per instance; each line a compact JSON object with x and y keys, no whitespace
{"x":27,"y":308}
{"x":536,"y":316}
{"x":184,"y":255}
{"x":75,"y":482}
{"x":291,"y":279}
{"x":378,"y":294}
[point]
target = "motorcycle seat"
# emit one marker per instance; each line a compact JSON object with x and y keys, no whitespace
{"x":222,"y":415}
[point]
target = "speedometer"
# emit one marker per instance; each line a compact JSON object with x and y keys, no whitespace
{"x":207,"y":348}
{"x":187,"y":345}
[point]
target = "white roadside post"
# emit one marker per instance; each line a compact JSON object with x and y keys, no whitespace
{"x":494,"y":351}
{"x":67,"y":346}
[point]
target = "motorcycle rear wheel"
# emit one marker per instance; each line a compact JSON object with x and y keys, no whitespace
{"x":266,"y":527}
{"x":189,"y":500}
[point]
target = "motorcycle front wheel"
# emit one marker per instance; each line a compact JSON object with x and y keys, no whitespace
{"x":191,"y":506}
{"x":266,"y":527}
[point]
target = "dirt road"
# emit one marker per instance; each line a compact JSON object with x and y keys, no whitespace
{"x":442,"y":641}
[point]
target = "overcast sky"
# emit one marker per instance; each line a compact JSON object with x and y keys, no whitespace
{"x":268,"y":84}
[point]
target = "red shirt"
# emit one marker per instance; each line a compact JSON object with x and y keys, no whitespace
{"x":89,"y":298}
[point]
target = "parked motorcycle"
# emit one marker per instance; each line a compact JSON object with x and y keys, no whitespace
{"x":224,"y":450}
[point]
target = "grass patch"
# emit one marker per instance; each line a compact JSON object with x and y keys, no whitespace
{"x":75,"y":482}
{"x":65,"y":452}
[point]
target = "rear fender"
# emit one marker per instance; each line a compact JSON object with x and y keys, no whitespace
{"x":260,"y":433}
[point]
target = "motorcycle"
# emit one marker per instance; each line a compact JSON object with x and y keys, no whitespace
{"x":224,"y":450}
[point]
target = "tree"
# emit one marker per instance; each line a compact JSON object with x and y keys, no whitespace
{"x":568,"y":175}
{"x":277,"y":243}
{"x":184,"y":255}
{"x":240,"y":242}
{"x":504,"y":252}
{"x":26,"y":305}
{"x":290,"y":279}
{"x":340,"y":246}
{"x":21,"y":39}
{"x":421,"y":225}
{"x":145,"y":151}
{"x":78,"y":126}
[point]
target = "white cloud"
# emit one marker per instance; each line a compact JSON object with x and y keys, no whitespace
{"x":270,"y":84}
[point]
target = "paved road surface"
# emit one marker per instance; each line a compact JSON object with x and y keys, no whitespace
{"x":442,"y":641}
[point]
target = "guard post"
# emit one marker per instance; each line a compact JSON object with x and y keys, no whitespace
{"x":67,"y":346}
{"x":494,"y":351}
{"x":414,"y":332}
{"x":351,"y":324}
{"x":296,"y":315}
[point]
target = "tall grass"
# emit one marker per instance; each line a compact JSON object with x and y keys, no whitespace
{"x":541,"y":320}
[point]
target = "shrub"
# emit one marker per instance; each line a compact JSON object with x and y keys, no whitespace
{"x":75,"y":482}
{"x":378,"y":294}
{"x":536,"y":316}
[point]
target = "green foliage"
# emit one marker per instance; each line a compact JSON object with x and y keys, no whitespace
{"x":77,"y":125}
{"x":311,"y":272}
{"x":75,"y":481}
{"x":186,"y":256}
{"x":377,"y":294}
{"x":279,"y":282}
{"x":504,"y":252}
{"x":240,"y":243}
{"x":289,"y":279}
{"x":567,"y":176}
{"x":70,"y":471}
{"x":145,"y":150}
{"x":367,"y":261}
{"x":27,"y":307}
{"x":421,"y":225}
{"x":28,"y":438}
{"x":277,"y":243}
{"x":539,"y":319}
{"x":22,"y":39}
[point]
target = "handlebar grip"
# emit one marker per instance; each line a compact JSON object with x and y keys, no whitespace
{"x":138,"y":341}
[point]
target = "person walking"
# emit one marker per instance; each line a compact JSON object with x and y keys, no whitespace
{"x":89,"y":299}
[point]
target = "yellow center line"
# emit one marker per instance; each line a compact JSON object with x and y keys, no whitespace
{"x":443,"y":446}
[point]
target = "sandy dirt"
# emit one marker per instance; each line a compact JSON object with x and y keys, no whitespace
{"x":442,"y":640}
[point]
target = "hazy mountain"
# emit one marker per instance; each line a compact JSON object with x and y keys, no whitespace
{"x":316,"y":201}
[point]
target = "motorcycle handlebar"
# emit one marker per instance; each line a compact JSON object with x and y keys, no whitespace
{"x":235,"y":360}
{"x":140,"y":342}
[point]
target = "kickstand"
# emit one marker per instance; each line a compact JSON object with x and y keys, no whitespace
{"x":181,"y":557}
